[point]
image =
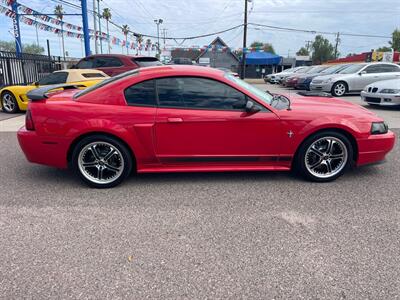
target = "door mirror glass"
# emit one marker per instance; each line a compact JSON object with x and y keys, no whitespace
{"x":362,"y":73}
{"x":252,"y":108}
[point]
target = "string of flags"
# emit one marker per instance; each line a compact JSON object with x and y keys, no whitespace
{"x":49,"y":28}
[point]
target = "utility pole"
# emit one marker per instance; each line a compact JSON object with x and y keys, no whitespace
{"x":164,"y":33}
{"x":308,"y":45}
{"x":337,"y":44}
{"x":96,"y":48}
{"x":85,"y":25}
{"x":243,"y":69}
{"x":158,"y":22}
{"x":100,"y":34}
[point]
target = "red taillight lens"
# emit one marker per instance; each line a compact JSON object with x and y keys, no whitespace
{"x":28,"y":121}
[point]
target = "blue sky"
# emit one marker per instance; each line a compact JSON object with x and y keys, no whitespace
{"x":196,"y":17}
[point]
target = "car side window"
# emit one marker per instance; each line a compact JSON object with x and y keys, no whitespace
{"x":141,"y":94}
{"x":199,"y":93}
{"x":54,"y":78}
{"x":105,"y":62}
{"x":373,"y":69}
{"x":389,"y":68}
{"x":86,"y":64}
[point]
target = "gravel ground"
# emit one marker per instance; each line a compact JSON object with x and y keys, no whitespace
{"x":198,"y":236}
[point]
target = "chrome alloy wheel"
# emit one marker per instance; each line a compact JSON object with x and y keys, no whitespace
{"x":101,"y":162}
{"x":8,"y":103}
{"x":340,"y":89}
{"x":326,"y":157}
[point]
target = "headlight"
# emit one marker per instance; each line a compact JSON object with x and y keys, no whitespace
{"x":379,"y":128}
{"x":365,"y":89}
{"x":390,"y":91}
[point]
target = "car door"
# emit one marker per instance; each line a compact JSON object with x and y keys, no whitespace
{"x":389,"y":71}
{"x":366,"y":76}
{"x":201,"y":120}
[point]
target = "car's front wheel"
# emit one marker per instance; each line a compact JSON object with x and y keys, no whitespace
{"x":324,"y":156}
{"x":9,"y":103}
{"x":101,"y":161}
{"x":339,"y":89}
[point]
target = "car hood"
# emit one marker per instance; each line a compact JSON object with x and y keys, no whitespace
{"x":326,"y":106}
{"x":386,"y":84}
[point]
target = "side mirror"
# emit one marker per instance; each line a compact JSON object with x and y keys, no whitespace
{"x":362,"y":73}
{"x":36,"y":83}
{"x":252,"y":108}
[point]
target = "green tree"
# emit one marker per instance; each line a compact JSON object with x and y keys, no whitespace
{"x":28,"y":48}
{"x":395,"y":42}
{"x":125,"y":31}
{"x":107,"y":16}
{"x":384,"y":49}
{"x":59,"y":12}
{"x":322,"y":50}
{"x":303,"y":52}
{"x":267,"y":47}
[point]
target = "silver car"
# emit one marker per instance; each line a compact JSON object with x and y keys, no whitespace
{"x":277,"y":77}
{"x":386,"y":92}
{"x":354,"y":78}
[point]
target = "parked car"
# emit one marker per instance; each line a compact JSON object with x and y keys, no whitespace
{"x":291,"y":79}
{"x":14,"y":99}
{"x":354,"y":78}
{"x":304,"y":81}
{"x":114,"y":64}
{"x":276,"y":78}
{"x":385,"y":93}
{"x":301,"y":79}
{"x":197,"y":119}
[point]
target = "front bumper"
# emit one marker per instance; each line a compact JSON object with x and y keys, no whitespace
{"x":374,"y":148}
{"x":381,"y":99}
{"x":50,"y":151}
{"x":323,"y":87}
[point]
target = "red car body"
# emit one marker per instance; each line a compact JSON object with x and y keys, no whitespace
{"x":114,"y":64}
{"x":182,"y":140}
{"x":291,"y":81}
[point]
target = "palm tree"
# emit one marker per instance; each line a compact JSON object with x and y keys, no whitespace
{"x":107,"y":16}
{"x":125,"y":31}
{"x":59,"y":12}
{"x":148,"y":44}
{"x":139,"y":40}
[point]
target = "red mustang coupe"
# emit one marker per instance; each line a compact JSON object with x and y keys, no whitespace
{"x":196,"y":119}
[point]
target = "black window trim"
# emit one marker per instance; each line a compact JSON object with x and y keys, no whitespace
{"x":248,"y":98}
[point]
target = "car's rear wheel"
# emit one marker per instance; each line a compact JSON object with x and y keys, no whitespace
{"x":9,"y":103}
{"x":324,"y":156}
{"x":339,"y":89}
{"x":101,"y":161}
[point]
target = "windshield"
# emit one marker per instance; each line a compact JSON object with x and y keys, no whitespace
{"x":147,"y":61}
{"x":352,"y":69}
{"x":334,"y":69}
{"x":302,"y":70}
{"x":265,"y":97}
{"x":318,"y":69}
{"x":105,"y":82}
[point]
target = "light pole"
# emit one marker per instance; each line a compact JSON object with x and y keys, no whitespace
{"x":243,"y":69}
{"x":99,"y":16}
{"x":158,"y":22}
{"x":96,"y":49}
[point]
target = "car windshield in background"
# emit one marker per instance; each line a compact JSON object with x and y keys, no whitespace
{"x":318,"y":69}
{"x":334,"y":69}
{"x":302,"y":70}
{"x":105,"y":82}
{"x":352,"y":69}
{"x":146,"y":61}
{"x":265,"y":97}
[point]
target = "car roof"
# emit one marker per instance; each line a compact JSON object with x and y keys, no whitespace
{"x":118,"y":55}
{"x":193,"y":69}
{"x":77,"y":74}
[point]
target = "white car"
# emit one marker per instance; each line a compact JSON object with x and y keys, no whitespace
{"x":386,"y":93}
{"x":277,"y":77}
{"x":354,"y":78}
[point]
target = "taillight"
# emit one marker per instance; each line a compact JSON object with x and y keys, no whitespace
{"x":29,"y":121}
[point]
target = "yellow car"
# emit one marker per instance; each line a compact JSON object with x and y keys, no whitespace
{"x":14,"y":99}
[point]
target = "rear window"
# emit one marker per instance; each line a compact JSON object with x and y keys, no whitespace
{"x":105,"y":82}
{"x":146,"y":61}
{"x":93,"y":75}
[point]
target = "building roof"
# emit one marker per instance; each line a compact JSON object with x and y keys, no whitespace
{"x":214,"y":42}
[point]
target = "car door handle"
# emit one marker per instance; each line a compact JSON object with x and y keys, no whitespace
{"x":175,"y":120}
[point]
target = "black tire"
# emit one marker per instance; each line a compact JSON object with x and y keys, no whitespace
{"x":335,"y":89}
{"x":8,"y":103}
{"x":303,"y":154}
{"x":123,"y":157}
